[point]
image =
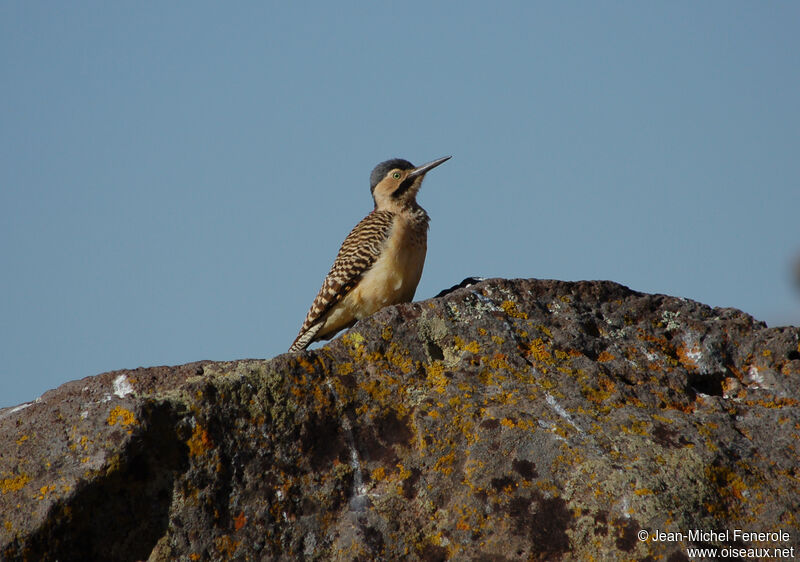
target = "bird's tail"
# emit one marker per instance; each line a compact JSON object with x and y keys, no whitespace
{"x":304,"y":339}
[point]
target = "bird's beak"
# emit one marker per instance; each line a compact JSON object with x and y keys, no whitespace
{"x":425,"y":168}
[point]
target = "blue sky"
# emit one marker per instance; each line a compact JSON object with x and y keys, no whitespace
{"x":176,"y":178}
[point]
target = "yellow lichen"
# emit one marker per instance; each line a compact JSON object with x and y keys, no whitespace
{"x":353,"y":338}
{"x":472,"y":347}
{"x":636,"y":427}
{"x":445,"y":463}
{"x":561,"y":355}
{"x":14,"y":483}
{"x":44,"y":490}
{"x":398,"y":357}
{"x":344,"y":368}
{"x":538,"y":350}
{"x":510,"y":308}
{"x":355,"y":342}
{"x":435,"y":376}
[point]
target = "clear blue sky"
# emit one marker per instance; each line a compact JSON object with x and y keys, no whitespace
{"x":176,"y":178}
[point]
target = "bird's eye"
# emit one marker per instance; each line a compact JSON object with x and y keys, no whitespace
{"x":396,"y":175}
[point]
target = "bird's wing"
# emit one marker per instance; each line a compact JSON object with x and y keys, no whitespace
{"x":359,"y":251}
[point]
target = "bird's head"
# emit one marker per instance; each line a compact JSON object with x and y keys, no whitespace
{"x":396,"y":182}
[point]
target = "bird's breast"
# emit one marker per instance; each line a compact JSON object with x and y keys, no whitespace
{"x":394,"y":276}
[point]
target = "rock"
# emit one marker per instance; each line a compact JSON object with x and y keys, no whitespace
{"x":505,"y":420}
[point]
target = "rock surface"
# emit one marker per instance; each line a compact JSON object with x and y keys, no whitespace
{"x":506,"y":420}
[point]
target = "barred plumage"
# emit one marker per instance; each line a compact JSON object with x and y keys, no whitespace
{"x":358,"y":252}
{"x":380,"y":262}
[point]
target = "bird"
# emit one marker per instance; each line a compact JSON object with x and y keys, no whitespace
{"x":380,"y":262}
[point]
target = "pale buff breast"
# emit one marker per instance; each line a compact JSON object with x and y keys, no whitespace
{"x":392,"y":279}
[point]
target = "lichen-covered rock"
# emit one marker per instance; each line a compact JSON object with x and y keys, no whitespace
{"x":506,"y":420}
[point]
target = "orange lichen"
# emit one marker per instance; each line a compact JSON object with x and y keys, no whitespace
{"x":729,"y":485}
{"x":606,"y":390}
{"x":777,"y":403}
{"x":687,"y":355}
{"x":498,"y":361}
{"x":199,"y":442}
{"x":239,"y":521}
{"x":226,"y":545}
{"x":121,"y":416}
{"x":604,"y":357}
{"x":322,"y":397}
{"x":305,"y":364}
